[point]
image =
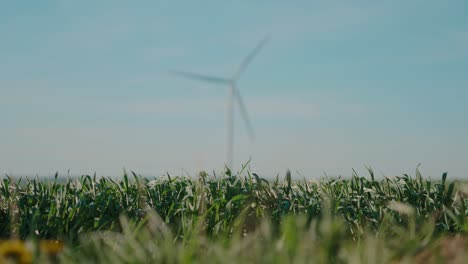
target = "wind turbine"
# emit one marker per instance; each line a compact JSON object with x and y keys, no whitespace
{"x":233,"y":96}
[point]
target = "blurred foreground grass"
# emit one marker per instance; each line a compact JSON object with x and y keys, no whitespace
{"x":236,"y":218}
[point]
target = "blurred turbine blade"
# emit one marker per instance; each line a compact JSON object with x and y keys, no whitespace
{"x":200,"y":77}
{"x":250,"y":57}
{"x":243,"y":111}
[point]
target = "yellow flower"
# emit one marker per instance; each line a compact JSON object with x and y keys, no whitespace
{"x":51,"y":247}
{"x":14,"y":251}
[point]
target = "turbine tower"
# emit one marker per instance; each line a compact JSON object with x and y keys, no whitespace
{"x":233,"y":96}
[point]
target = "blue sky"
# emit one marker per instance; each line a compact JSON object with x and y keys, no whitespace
{"x":84,"y":85}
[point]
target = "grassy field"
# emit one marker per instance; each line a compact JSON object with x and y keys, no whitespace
{"x":233,"y":219}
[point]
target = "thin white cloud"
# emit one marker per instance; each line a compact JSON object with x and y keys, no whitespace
{"x":298,"y":107}
{"x":172,"y":106}
{"x":279,"y":107}
{"x":283,"y":107}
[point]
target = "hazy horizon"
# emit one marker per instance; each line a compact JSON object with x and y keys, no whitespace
{"x":84,"y":85}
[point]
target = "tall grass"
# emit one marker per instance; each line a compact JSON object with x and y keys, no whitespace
{"x":179,"y":218}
